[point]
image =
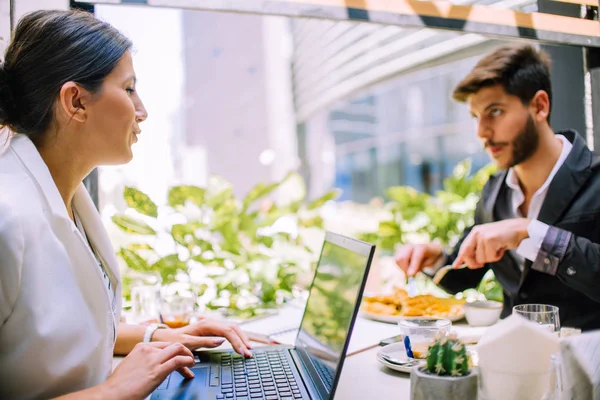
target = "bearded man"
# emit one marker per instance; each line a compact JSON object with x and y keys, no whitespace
{"x":537,"y":224}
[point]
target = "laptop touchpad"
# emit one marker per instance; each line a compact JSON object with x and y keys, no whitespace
{"x":200,"y":379}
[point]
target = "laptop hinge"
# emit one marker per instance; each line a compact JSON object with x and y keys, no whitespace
{"x":306,"y":378}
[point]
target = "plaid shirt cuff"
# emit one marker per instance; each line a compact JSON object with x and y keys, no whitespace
{"x":554,"y":247}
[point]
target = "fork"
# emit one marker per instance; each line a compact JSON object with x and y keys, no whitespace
{"x":412,"y":290}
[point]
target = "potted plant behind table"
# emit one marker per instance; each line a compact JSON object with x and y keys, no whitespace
{"x":446,"y":375}
{"x":239,"y":256}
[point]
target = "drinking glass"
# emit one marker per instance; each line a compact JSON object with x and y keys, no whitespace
{"x":177,"y":309}
{"x":542,"y":314}
{"x":145,"y":304}
{"x":422,"y":332}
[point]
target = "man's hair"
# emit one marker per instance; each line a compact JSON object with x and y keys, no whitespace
{"x":521,"y":70}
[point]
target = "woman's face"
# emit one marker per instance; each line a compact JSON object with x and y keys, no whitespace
{"x":114,"y":116}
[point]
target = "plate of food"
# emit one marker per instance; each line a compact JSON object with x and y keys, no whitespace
{"x":397,"y":306}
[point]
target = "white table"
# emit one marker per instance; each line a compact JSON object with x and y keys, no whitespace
{"x":363,"y":377}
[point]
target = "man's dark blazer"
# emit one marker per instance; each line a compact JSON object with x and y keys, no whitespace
{"x":566,"y":272}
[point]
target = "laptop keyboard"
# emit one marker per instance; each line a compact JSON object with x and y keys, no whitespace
{"x":266,"y":376}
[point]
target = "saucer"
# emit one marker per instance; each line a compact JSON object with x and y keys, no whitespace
{"x":395,"y":350}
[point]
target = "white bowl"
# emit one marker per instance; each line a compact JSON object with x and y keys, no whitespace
{"x":483,"y":313}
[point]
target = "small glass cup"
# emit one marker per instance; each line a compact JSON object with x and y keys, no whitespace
{"x":177,"y":309}
{"x":145,"y":304}
{"x":543,"y":314}
{"x":421,"y":333}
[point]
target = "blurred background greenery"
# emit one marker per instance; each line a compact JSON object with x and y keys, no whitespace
{"x":244,"y":256}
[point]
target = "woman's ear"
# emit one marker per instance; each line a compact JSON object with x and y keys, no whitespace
{"x":72,"y":101}
{"x":541,"y":106}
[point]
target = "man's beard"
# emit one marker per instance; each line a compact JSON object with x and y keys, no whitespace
{"x":523,"y":145}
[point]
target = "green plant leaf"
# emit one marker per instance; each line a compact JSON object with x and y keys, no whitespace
{"x":132,"y":225}
{"x":268,"y":292}
{"x":331,"y":195}
{"x":168,"y":267}
{"x":277,"y":212}
{"x":140,"y":202}
{"x":258,"y":191}
{"x":491,"y":288}
{"x":266,"y":240}
{"x":389,"y":229}
{"x":219,"y":199}
{"x":407,"y":196}
{"x":315,"y":222}
{"x":248,"y":223}
{"x":140,"y":246}
{"x":185,"y":235}
{"x":133,"y":260}
{"x":178,"y":195}
{"x":126,"y":283}
{"x":226,"y":210}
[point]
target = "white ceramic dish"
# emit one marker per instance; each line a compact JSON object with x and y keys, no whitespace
{"x":394,"y":319}
{"x":395,"y":350}
{"x":483,"y":313}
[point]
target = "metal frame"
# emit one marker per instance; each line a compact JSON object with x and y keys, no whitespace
{"x":485,"y":20}
{"x":11,"y":10}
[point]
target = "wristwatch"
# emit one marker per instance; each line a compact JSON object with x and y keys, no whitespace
{"x":150,"y":329}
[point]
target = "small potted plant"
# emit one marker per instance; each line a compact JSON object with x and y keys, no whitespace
{"x":447,"y":374}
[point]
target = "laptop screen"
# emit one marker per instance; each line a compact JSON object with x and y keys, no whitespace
{"x":331,"y":307}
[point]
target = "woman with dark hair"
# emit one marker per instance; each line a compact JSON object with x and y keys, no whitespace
{"x":67,"y":93}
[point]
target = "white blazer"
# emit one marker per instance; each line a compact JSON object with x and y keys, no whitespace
{"x":56,"y":321}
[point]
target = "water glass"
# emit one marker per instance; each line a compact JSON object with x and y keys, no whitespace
{"x":542,"y":314}
{"x":421,"y":333}
{"x":145,"y":304}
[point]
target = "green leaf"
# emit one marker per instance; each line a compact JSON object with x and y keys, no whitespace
{"x":178,"y":195}
{"x":182,"y":232}
{"x":185,"y":235}
{"x":232,"y":244}
{"x":407,"y":196}
{"x":389,"y":229}
{"x":277,"y":212}
{"x":315,"y":222}
{"x":126,"y":283}
{"x":140,"y":202}
{"x":491,"y":288}
{"x":226,"y":210}
{"x":331,"y":195}
{"x":257,"y":192}
{"x":168,"y":267}
{"x":369,"y":237}
{"x":133,"y":260}
{"x":132,"y":225}
{"x":140,"y":246}
{"x":219,"y":199}
{"x":266,"y":240}
{"x":269,"y":294}
{"x":248,"y":223}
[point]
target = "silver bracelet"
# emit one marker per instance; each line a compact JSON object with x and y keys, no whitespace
{"x":150,"y":329}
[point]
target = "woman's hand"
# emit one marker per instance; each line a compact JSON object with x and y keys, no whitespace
{"x":207,"y":333}
{"x":145,"y":368}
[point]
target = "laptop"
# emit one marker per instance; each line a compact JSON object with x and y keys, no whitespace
{"x":311,"y":368}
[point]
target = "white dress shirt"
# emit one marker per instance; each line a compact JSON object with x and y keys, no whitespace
{"x":530,"y":247}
